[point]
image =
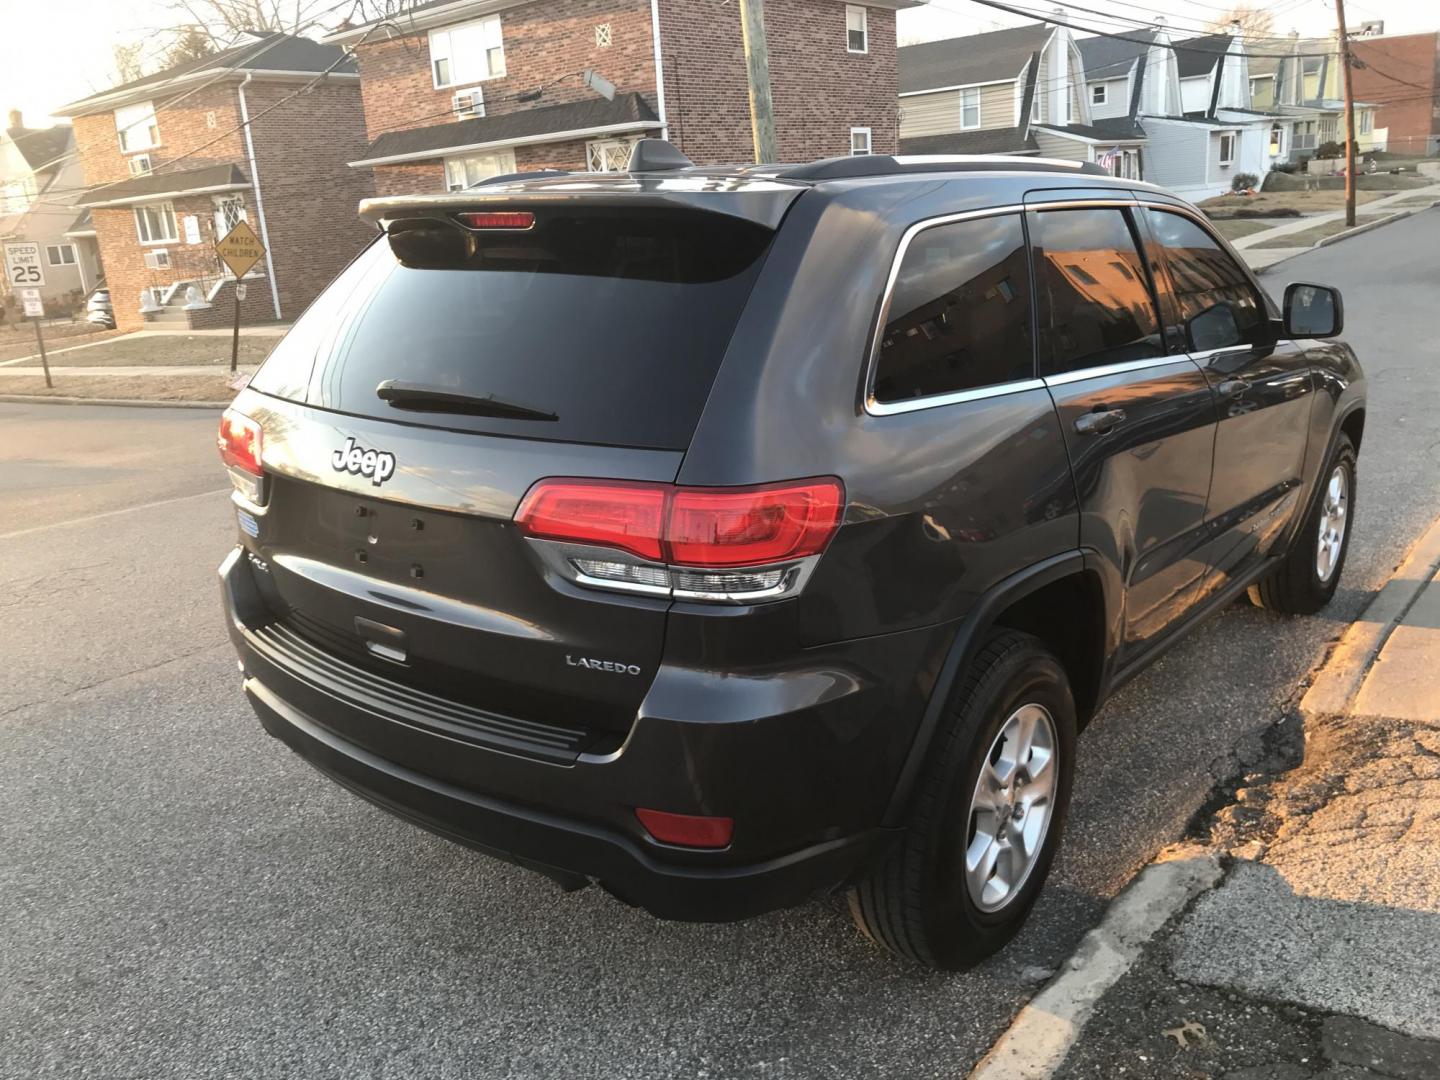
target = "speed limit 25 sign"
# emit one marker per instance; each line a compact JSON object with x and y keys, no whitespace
{"x":22,"y":265}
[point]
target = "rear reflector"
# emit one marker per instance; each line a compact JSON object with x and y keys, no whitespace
{"x":689,"y":527}
{"x":240,"y":442}
{"x":687,"y":830}
{"x":506,"y":219}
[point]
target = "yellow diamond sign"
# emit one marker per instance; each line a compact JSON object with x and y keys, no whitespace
{"x":240,"y":249}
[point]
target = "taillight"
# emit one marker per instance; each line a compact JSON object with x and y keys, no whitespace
{"x":503,"y":219}
{"x":239,"y":442}
{"x":629,"y":517}
{"x":723,"y":544}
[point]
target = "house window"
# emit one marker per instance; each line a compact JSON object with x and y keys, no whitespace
{"x":136,"y":126}
{"x":859,"y":141}
{"x":608,"y":155}
{"x":468,"y":53}
{"x":1367,"y":122}
{"x":1099,"y":94}
{"x":970,"y":108}
{"x":603,"y":37}
{"x":229,"y":212}
{"x":60,"y":254}
{"x":156,"y":224}
{"x":1035,"y":107}
{"x":1277,"y":140}
{"x":857,"y":33}
{"x":16,"y":196}
{"x":1227,"y":150}
{"x":467,"y":171}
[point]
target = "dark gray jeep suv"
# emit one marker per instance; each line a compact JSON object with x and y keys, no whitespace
{"x":724,"y":536}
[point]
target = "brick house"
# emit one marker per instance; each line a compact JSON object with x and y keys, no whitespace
{"x":1401,"y":75}
{"x":459,"y":90}
{"x":171,"y":166}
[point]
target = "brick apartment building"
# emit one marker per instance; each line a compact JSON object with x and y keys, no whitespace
{"x":1401,"y":75}
{"x":457,"y":90}
{"x":170,"y":167}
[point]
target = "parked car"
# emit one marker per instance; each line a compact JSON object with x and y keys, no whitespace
{"x":726,"y":536}
{"x":98,"y":309}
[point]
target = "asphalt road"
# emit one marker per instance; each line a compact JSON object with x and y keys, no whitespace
{"x":180,"y":897}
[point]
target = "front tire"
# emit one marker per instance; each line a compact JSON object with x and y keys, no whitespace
{"x":1307,"y":578}
{"x":988,"y":814}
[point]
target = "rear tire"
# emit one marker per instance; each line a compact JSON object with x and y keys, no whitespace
{"x":933,"y":900}
{"x":1307,"y":578}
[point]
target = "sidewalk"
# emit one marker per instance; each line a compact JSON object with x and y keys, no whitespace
{"x":1316,"y":952}
{"x":1258,"y":258}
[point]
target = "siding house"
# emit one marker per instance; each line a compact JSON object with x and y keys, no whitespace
{"x":462,"y":90}
{"x":1013,"y":91}
{"x":1299,"y":85}
{"x":39,"y":174}
{"x":259,"y":132}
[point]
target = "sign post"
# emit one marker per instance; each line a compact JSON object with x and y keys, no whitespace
{"x":240,"y":249}
{"x":23,"y":269}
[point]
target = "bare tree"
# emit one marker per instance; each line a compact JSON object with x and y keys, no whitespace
{"x":224,"y":21}
{"x":1255,"y":23}
{"x":128,"y":65}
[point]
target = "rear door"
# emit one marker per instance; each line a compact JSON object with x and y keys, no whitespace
{"x":583,"y":344}
{"x":1138,"y":421}
{"x":1263,"y":389}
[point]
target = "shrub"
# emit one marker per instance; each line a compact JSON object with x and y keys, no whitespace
{"x":1243,"y":181}
{"x":1331,"y":149}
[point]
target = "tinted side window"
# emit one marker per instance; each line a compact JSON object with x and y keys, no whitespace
{"x":1218,"y":306}
{"x":1096,"y":290}
{"x":959,"y":315}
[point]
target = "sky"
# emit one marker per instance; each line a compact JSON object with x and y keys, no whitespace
{"x":55,"y":51}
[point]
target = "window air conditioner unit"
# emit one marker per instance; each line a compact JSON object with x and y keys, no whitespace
{"x":140,"y":165}
{"x":159,"y":259}
{"x":468,"y":103}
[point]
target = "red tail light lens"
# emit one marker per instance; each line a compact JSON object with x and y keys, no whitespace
{"x":752,"y":526}
{"x":687,"y":830}
{"x":607,"y":513}
{"x":240,"y":442}
{"x":508,"y":219}
{"x":697,"y":527}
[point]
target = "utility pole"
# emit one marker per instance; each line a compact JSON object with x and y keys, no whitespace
{"x":757,"y":68}
{"x":1349,"y":116}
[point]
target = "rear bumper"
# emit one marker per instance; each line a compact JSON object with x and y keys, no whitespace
{"x":575,"y":822}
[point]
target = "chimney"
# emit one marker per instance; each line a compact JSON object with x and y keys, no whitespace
{"x":17,"y":120}
{"x":1235,"y":28}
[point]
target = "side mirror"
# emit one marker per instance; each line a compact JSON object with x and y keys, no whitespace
{"x":1313,"y":311}
{"x":1213,"y":328}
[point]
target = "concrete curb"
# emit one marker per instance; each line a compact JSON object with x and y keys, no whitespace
{"x":138,"y":403}
{"x":1341,"y":676}
{"x":1346,"y":235}
{"x":1037,"y":1041}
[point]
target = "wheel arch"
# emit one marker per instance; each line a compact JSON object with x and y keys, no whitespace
{"x":1027,"y":600}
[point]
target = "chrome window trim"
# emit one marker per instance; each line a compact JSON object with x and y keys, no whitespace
{"x":1081,"y":374}
{"x":979,"y":393}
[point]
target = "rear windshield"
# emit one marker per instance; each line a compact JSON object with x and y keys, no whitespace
{"x":602,"y":326}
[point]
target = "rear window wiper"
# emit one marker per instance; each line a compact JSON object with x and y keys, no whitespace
{"x":405,"y":395}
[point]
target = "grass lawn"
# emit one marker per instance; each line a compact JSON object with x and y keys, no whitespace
{"x":16,"y":342}
{"x":1412,"y":203}
{"x":1307,"y":202}
{"x":124,"y":387}
{"x":1312,"y":235}
{"x":178,"y":349}
{"x":1235,"y":228}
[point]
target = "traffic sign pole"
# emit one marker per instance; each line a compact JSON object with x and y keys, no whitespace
{"x":235,"y":340}
{"x":44,"y":361}
{"x":239,"y":249}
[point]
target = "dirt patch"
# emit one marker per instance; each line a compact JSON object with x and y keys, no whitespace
{"x":1314,"y":234}
{"x":1306,"y":202}
{"x":1235,"y":228}
{"x":15,"y":343}
{"x":187,"y":350}
{"x":125,"y":387}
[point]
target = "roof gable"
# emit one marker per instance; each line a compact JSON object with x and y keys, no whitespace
{"x":1197,"y":55}
{"x":1113,"y":57}
{"x":964,"y":61}
{"x":41,"y":146}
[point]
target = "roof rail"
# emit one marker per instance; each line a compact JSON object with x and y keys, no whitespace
{"x":511,"y":177}
{"x":844,"y":168}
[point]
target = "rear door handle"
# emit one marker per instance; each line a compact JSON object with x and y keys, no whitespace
{"x":1232,"y":388}
{"x":1099,"y":423}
